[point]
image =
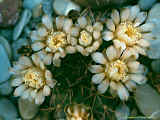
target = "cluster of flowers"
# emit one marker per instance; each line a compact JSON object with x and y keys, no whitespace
{"x":117,"y":67}
{"x":51,"y":41}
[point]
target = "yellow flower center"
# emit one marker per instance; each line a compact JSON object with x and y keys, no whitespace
{"x":127,"y":33}
{"x":85,"y":38}
{"x":56,"y":40}
{"x":34,"y":78}
{"x":78,"y":112}
{"x":117,"y":70}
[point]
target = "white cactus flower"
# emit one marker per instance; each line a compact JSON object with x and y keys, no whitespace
{"x":128,"y":29}
{"x":54,"y":41}
{"x":77,"y":112}
{"x":116,"y":71}
{"x":31,"y":79}
{"x":89,"y":39}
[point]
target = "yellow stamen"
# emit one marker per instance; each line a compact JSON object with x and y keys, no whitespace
{"x":85,"y":38}
{"x":56,"y":40}
{"x":117,"y":70}
{"x":34,"y":78}
{"x":127,"y":33}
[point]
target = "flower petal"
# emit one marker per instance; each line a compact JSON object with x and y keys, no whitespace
{"x":139,"y":50}
{"x":56,"y":59}
{"x":82,"y":21}
{"x":99,"y":58}
{"x":39,"y":99}
{"x":46,"y":90}
{"x":113,"y":85}
{"x":47,"y":21}
{"x":141,"y":17}
{"x":119,"y":45}
{"x":70,"y":49}
{"x":96,"y":44}
{"x":48,"y":75}
{"x":96,"y":68}
{"x":33,"y":94}
{"x":89,"y":49}
{"x":148,"y":36}
{"x":147,"y":27}
{"x":82,"y":50}
{"x":45,"y":57}
{"x":49,"y":79}
{"x":98,"y":26}
{"x":42,"y":32}
{"x":110,"y":25}
{"x":129,"y":54}
{"x":73,"y":41}
{"x":59,"y":22}
{"x":122,"y":92}
{"x":19,"y":90}
{"x":26,"y":94}
{"x":131,"y":85}
{"x":97,"y":78}
{"x":133,"y":66}
{"x":134,"y":10}
{"x":111,"y":53}
{"x":96,"y":34}
{"x":67,"y":25}
{"x":16,"y":82}
{"x":37,"y":61}
{"x":17,"y":68}
{"x":38,"y":46}
{"x":25,"y":61}
{"x":138,"y":78}
{"x":103,"y":86}
{"x":107,"y":35}
{"x":75,"y":31}
{"x":115,"y":16}
{"x":125,"y":14}
{"x":48,"y":59}
{"x":34,"y":36}
{"x":143,"y":43}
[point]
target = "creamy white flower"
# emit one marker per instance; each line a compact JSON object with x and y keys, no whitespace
{"x":51,"y":39}
{"x":31,"y":79}
{"x":120,"y":72}
{"x":77,"y":112}
{"x":128,"y":29}
{"x":89,"y":39}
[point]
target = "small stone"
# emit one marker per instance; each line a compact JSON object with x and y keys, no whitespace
{"x":1,"y":118}
{"x":8,"y":110}
{"x":63,"y":7}
{"x":30,"y":4}
{"x":146,"y":4}
{"x":5,"y":65}
{"x":122,"y":112}
{"x":147,"y":100}
{"x":5,"y":88}
{"x":156,"y":66}
{"x":47,"y":6}
{"x":6,"y":45}
{"x":154,"y":17}
{"x":27,"y":109}
{"x":7,"y":33}
{"x":9,"y":12}
{"x":25,"y":18}
{"x":16,"y":45}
